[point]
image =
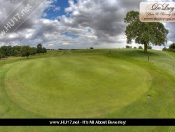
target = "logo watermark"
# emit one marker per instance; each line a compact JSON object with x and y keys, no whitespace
{"x":157,"y":11}
{"x":17,"y":17}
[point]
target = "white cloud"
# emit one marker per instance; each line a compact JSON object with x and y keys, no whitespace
{"x":50,"y":44}
{"x":57,"y":8}
{"x":65,"y":43}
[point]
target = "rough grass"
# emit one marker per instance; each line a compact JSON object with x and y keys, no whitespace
{"x":89,"y":83}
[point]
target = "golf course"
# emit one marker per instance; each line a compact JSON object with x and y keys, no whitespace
{"x":91,"y":83}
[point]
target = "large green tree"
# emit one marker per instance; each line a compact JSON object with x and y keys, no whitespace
{"x":172,"y":46}
{"x":39,"y":48}
{"x":16,"y":50}
{"x":144,"y":32}
{"x":25,"y":50}
{"x":4,"y":51}
{"x":33,"y":50}
{"x":44,"y":50}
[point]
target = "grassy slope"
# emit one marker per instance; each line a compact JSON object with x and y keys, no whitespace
{"x":160,"y":105}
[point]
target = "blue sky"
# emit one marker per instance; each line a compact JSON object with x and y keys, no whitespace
{"x":76,"y":24}
{"x":61,"y":5}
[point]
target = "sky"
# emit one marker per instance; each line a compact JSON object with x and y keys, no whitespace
{"x":75,"y":24}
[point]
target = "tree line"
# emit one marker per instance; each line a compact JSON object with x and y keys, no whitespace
{"x":140,"y":47}
{"x":24,"y":51}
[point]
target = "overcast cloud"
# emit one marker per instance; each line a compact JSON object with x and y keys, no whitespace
{"x":86,"y":23}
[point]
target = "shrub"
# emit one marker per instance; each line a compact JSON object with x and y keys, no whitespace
{"x":91,"y":48}
{"x":165,"y":49}
{"x":149,"y":47}
{"x":127,"y":46}
{"x":140,"y":47}
{"x":172,"y":46}
{"x":135,"y":48}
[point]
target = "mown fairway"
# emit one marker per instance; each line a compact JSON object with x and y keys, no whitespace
{"x":88,"y":83}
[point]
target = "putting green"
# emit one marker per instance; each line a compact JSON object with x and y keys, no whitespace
{"x":74,"y":86}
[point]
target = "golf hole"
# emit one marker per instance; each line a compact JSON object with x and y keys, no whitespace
{"x":149,"y":96}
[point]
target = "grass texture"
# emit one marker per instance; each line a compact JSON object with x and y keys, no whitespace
{"x":88,"y":84}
